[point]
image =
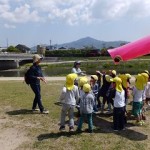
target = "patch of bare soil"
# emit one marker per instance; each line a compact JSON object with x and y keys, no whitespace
{"x":11,"y":135}
{"x":11,"y":138}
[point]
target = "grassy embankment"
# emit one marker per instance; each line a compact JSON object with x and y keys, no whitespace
{"x":103,"y":63}
{"x":42,"y":130}
{"x":90,"y":65}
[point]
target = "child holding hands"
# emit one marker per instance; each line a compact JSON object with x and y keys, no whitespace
{"x":68,"y":98}
{"x":86,"y":108}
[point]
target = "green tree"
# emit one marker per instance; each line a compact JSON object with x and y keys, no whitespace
{"x":12,"y":49}
{"x":104,"y":52}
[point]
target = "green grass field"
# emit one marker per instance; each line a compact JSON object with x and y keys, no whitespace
{"x":23,"y":130}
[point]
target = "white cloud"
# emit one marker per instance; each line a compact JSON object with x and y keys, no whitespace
{"x":72,"y":11}
{"x":76,"y":11}
{"x":4,"y":1}
{"x":8,"y":26}
{"x":20,"y":14}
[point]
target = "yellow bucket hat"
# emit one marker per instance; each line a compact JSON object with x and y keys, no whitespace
{"x":146,"y":71}
{"x":128,"y":75}
{"x":108,"y":77}
{"x":82,"y":81}
{"x":118,"y":82}
{"x":70,"y":80}
{"x":124,"y":78}
{"x":146,"y":76}
{"x":86,"y":88}
{"x":114,"y":72}
{"x":94,"y":77}
{"x":140,"y":82}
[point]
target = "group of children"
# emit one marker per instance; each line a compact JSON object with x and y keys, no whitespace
{"x":85,"y":95}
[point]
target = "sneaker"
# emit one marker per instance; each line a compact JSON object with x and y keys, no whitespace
{"x":139,"y":123}
{"x":116,"y":130}
{"x":45,"y":112}
{"x":90,"y":131}
{"x":109,"y":112}
{"x":62,"y":128}
{"x":95,"y":112}
{"x":143,"y":123}
{"x":78,"y":130}
{"x":71,"y":129}
{"x":77,"y":106}
{"x":123,"y":129}
{"x":35,"y":110}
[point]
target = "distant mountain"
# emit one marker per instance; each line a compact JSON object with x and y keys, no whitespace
{"x":88,"y":42}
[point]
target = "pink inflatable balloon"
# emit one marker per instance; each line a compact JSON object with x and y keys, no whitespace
{"x":131,"y":50}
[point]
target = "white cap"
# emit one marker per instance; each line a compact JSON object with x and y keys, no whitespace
{"x":36,"y":58}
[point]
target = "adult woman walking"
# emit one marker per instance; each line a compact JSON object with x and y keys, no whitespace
{"x":35,"y":76}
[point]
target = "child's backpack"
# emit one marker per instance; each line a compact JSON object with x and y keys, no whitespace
{"x":26,"y":76}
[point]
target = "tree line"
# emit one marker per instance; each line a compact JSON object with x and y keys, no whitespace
{"x":77,"y":53}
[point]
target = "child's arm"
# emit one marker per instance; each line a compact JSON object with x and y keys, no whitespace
{"x":63,"y":94}
{"x":77,"y":96}
{"x":95,"y":90}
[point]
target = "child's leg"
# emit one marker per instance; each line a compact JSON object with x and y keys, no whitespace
{"x":80,"y":122}
{"x":63,"y":114}
{"x":138,"y":119}
{"x":103,"y":105}
{"x":116,"y":118}
{"x":98,"y":99}
{"x":90,"y":122}
{"x":71,"y":116}
{"x":122,"y":118}
{"x":95,"y":106}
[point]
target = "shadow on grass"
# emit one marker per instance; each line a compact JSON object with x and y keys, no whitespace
{"x":101,"y":126}
{"x":105,"y":126}
{"x":21,"y":112}
{"x":42,"y":137}
{"x":58,"y":103}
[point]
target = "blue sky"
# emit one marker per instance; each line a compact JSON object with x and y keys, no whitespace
{"x":33,"y":22}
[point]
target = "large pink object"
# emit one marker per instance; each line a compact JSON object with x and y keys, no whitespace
{"x":132,"y":50}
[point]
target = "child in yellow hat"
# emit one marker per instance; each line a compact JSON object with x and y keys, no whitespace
{"x":119,"y":105}
{"x":138,"y":97}
{"x":68,"y":98}
{"x":86,"y":108}
{"x":104,"y":89}
{"x":126,"y":86}
{"x":99,"y":75}
{"x":94,"y":87}
{"x":81,"y":82}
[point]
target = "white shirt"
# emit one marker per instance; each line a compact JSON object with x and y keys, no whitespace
{"x":119,"y":100}
{"x":138,"y":95}
{"x":69,"y":96}
{"x":81,"y":92}
{"x":77,"y":71}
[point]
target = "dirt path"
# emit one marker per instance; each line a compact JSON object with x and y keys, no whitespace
{"x":12,"y":132}
{"x":47,"y":78}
